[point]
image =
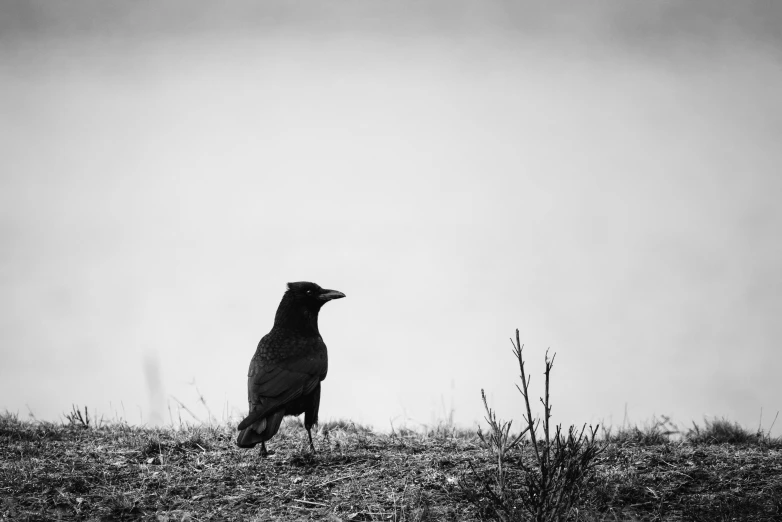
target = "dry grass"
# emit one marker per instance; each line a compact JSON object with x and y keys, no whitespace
{"x":117,"y":472}
{"x":720,"y":431}
{"x":658,"y":431}
{"x":685,"y":481}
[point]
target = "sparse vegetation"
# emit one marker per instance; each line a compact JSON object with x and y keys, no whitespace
{"x":554,"y":466}
{"x":723,"y":431}
{"x":77,"y":420}
{"x":658,"y":431}
{"x":120,"y":472}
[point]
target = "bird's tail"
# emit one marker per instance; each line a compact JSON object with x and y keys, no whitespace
{"x":260,"y":431}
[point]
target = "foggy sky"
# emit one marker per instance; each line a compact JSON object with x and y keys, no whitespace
{"x":605,"y":179}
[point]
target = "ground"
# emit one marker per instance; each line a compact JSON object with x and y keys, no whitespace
{"x":118,"y":472}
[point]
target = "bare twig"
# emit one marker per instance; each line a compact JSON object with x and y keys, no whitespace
{"x":553,"y":485}
{"x":182,"y":406}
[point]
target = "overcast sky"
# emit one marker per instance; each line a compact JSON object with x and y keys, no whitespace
{"x":606,"y":178}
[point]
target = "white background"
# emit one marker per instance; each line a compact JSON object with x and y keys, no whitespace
{"x":606,"y":179}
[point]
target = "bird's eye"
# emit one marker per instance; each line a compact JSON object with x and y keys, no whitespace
{"x":309,"y":292}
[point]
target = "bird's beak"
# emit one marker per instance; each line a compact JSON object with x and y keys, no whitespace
{"x":328,"y":295}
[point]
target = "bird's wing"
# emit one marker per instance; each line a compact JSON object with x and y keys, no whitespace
{"x":273,"y":384}
{"x":285,"y":380}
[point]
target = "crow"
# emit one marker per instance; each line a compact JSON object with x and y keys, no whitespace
{"x":288,"y":365}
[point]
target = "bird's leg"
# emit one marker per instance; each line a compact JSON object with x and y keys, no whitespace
{"x":265,"y":453}
{"x":309,"y":434}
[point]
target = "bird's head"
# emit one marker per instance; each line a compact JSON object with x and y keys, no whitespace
{"x":302,"y":302}
{"x":312,"y":294}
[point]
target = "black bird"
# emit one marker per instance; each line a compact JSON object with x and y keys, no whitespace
{"x":286,"y":370}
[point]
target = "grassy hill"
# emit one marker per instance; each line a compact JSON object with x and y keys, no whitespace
{"x":77,"y":471}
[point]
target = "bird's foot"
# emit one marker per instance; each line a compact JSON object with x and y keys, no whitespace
{"x":264,"y":451}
